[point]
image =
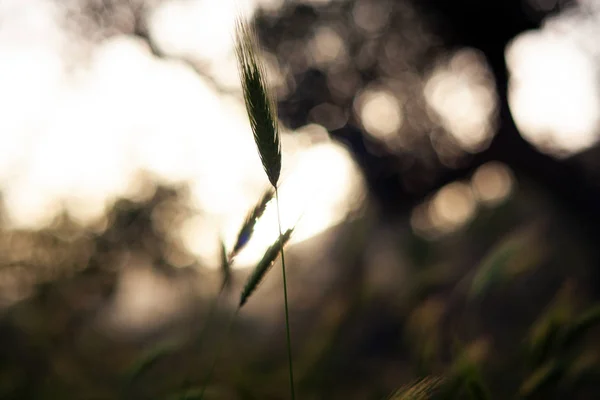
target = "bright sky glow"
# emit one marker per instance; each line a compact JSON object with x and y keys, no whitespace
{"x":79,"y":139}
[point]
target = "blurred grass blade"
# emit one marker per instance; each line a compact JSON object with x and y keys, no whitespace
{"x":225,"y":267}
{"x":263,"y":266}
{"x":575,"y":331}
{"x":545,"y":333}
{"x":420,"y":390}
{"x":518,"y":253}
{"x":252,"y":218}
{"x":490,"y":270}
{"x":471,"y":380}
{"x":476,"y":390}
{"x":188,"y":394}
{"x":543,"y":341}
{"x":465,"y":379}
{"x":259,"y":103}
{"x":147,"y":361}
{"x":583,"y":369}
{"x":541,"y":379}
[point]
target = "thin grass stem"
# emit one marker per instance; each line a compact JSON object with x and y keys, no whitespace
{"x":217,"y":354}
{"x":285,"y":300}
{"x":226,"y":267}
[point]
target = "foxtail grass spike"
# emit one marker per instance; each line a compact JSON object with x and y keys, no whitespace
{"x":264,"y":265}
{"x":259,"y":103}
{"x":252,"y":218}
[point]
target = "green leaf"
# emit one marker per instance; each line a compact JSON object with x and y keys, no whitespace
{"x":543,"y":339}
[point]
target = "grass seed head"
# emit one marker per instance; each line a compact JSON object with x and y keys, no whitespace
{"x":260,"y":104}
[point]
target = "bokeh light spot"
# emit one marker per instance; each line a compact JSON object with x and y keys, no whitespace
{"x":461,"y":94}
{"x":328,"y":115}
{"x":492,"y":183}
{"x":327,"y":46}
{"x":553,"y":92}
{"x":370,"y":16}
{"x":445,"y":212}
{"x":379,"y":112}
{"x":452,"y":206}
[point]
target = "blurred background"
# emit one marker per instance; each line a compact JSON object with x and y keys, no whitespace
{"x":440,"y":160}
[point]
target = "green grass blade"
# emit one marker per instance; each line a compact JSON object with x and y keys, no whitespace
{"x":576,"y":330}
{"x":477,"y":390}
{"x":543,"y":341}
{"x":259,"y":272}
{"x":513,"y":256}
{"x":541,"y":379}
{"x":225,"y":267}
{"x":545,"y":334}
{"x":146,"y":362}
